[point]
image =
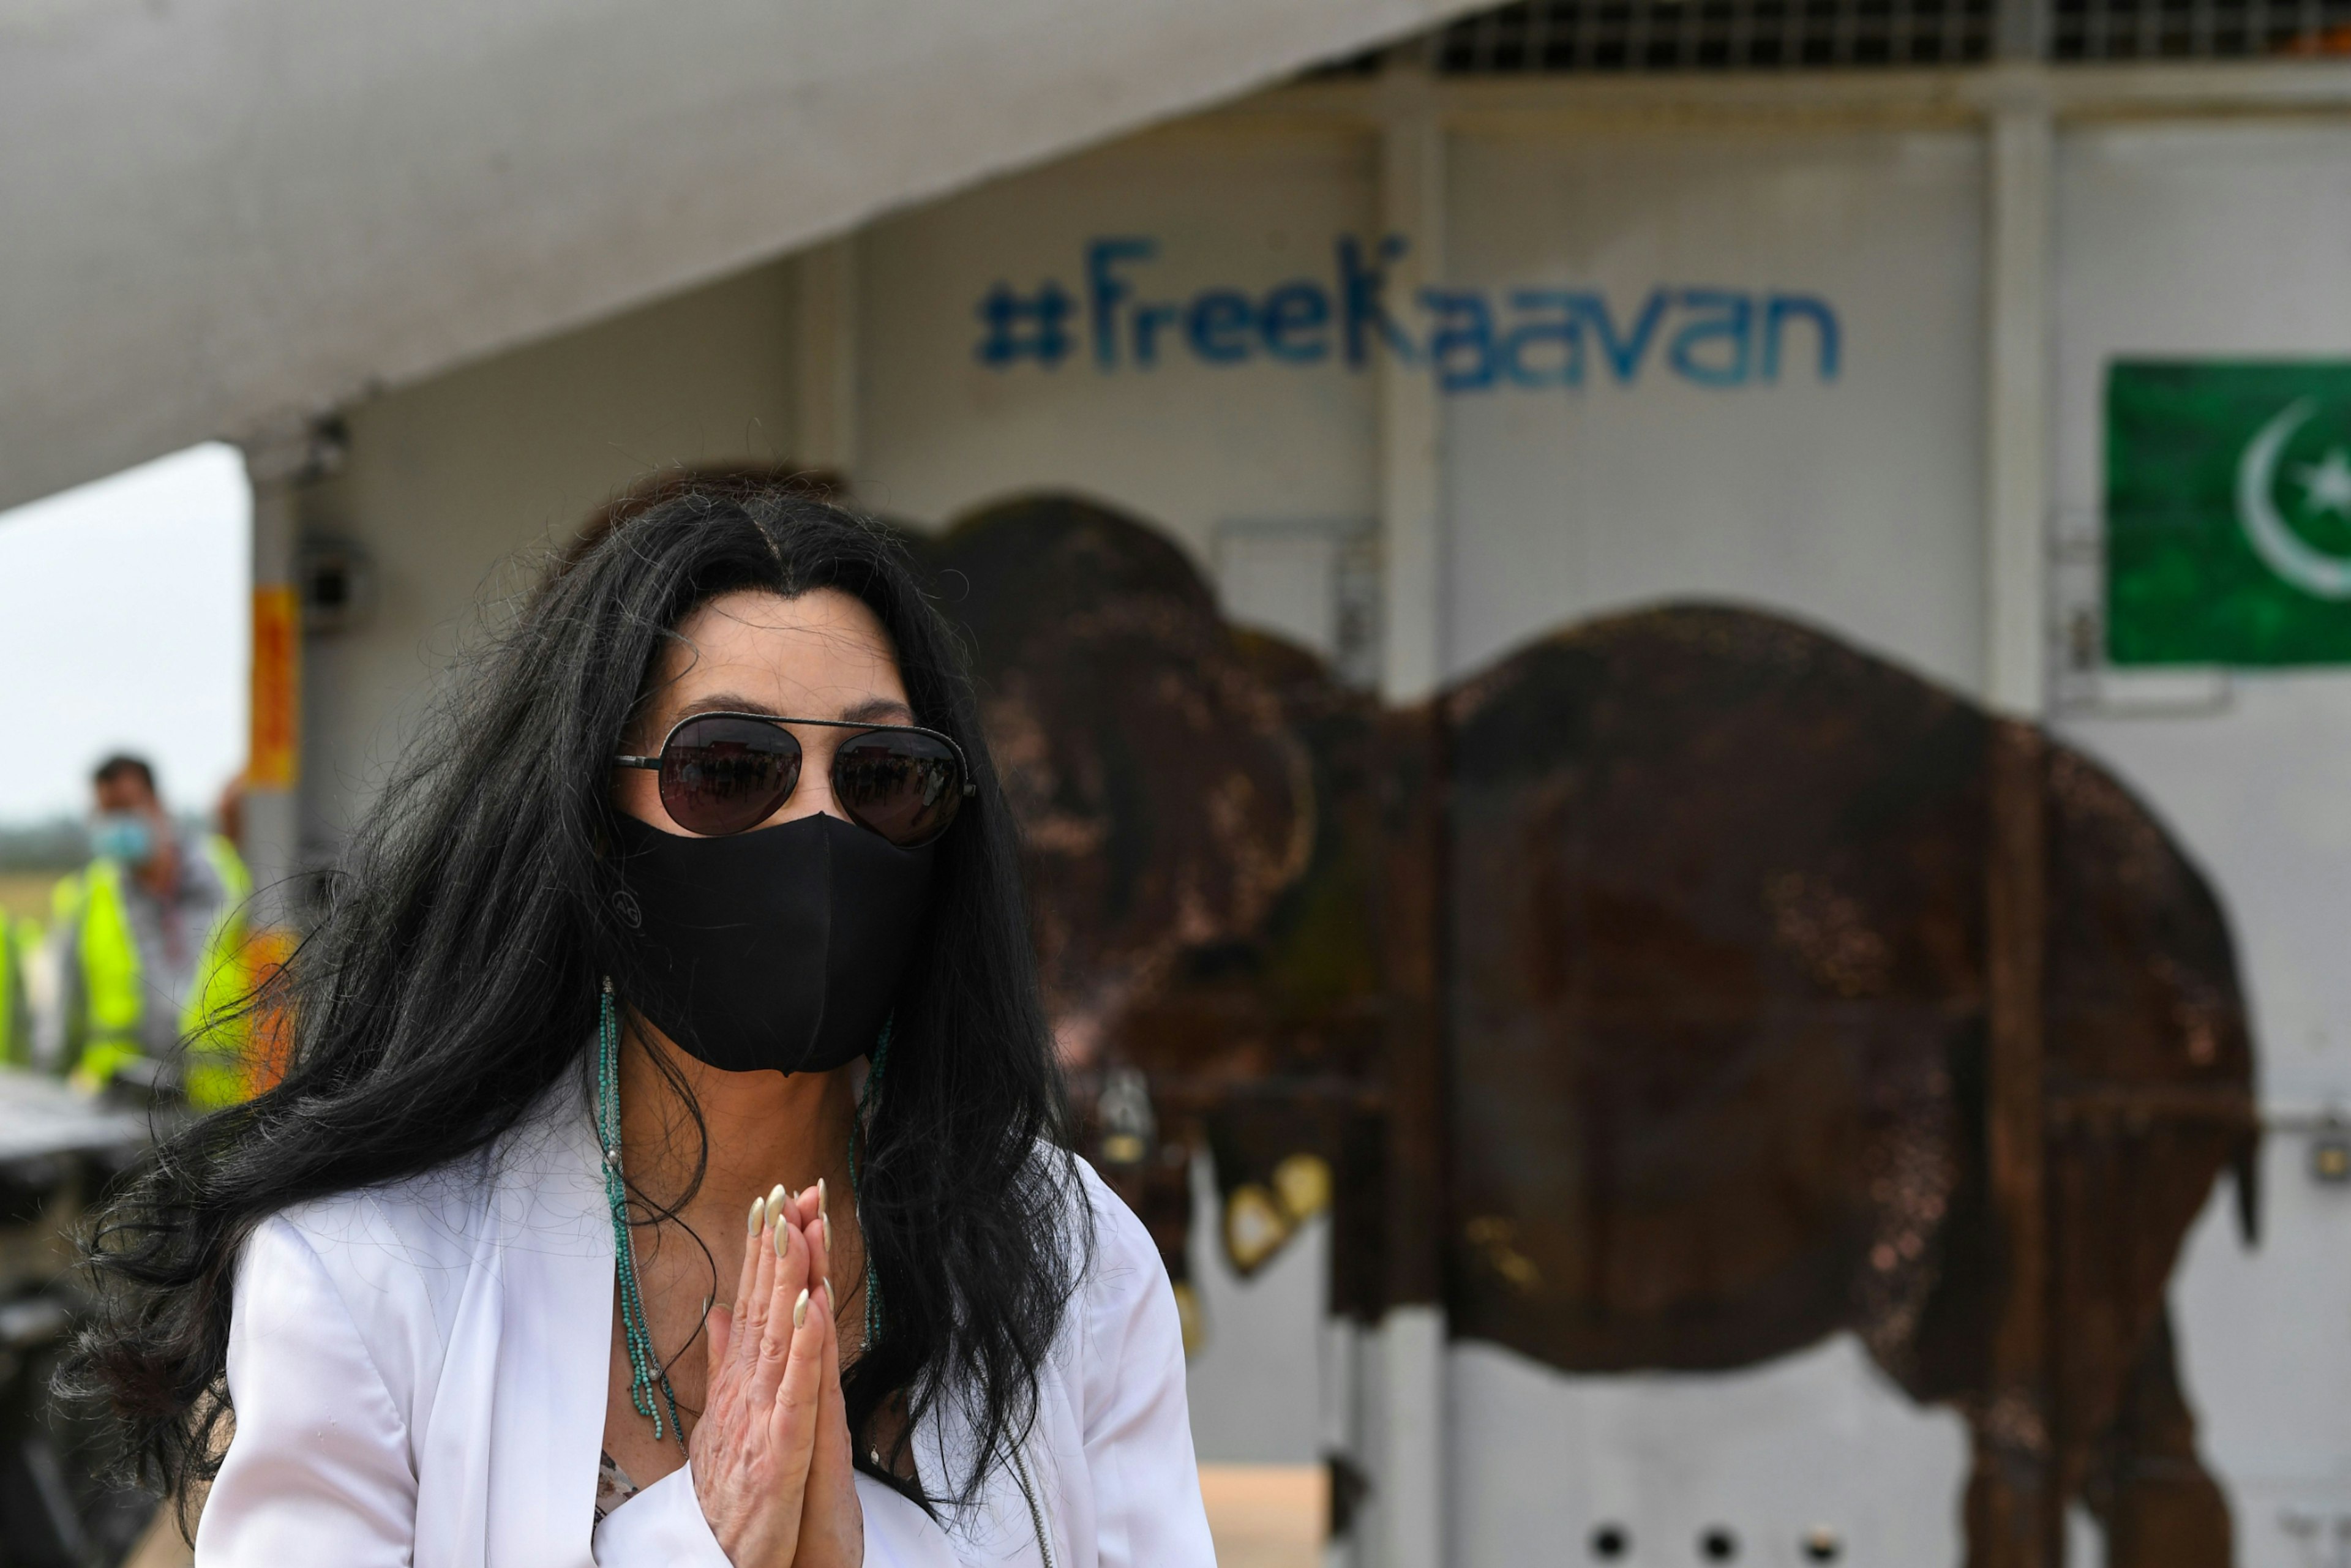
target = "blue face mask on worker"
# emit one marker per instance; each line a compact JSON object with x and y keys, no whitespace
{"x":123,"y":836}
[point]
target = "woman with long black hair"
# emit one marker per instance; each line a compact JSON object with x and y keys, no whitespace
{"x":698,"y":901}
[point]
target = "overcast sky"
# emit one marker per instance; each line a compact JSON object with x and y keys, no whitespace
{"x":123,"y":618}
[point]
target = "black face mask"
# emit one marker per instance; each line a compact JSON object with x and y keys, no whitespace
{"x":779,"y":948}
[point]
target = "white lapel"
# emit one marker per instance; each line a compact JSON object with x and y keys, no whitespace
{"x":545,"y":1333}
{"x":995,"y":1528}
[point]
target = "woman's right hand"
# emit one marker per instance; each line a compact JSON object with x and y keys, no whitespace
{"x":751,"y":1450}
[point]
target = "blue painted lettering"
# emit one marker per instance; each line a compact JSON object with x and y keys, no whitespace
{"x":1292,"y":320}
{"x":1781,"y":309}
{"x":1558,"y":324}
{"x":1624,"y":354}
{"x":1729,"y":329}
{"x":1469,"y":339}
{"x":1016,"y":327}
{"x":1148,"y":320}
{"x":1105,"y":289}
{"x":1461,"y":346}
{"x":1219,"y":324}
{"x":1361,"y":289}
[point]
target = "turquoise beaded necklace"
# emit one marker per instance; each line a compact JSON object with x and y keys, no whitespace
{"x":646,"y":1367}
{"x":857,"y":1125}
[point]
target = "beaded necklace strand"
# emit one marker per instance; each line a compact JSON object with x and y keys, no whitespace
{"x":644,"y":1365}
{"x":857,"y":1121}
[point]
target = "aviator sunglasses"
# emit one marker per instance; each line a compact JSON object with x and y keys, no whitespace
{"x":725,"y":772}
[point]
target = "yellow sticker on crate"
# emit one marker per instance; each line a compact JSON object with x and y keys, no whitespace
{"x":276,"y":758}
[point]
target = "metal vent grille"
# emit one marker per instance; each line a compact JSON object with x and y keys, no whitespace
{"x":2196,"y":29}
{"x":1548,"y":37}
{"x":1543,"y":37}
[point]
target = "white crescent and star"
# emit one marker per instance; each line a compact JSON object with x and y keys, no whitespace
{"x":2325,"y":487}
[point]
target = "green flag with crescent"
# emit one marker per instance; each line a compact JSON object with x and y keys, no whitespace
{"x":2228,"y":512}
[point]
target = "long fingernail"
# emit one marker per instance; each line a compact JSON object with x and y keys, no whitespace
{"x":819,"y":1194}
{"x":759,"y":1214}
{"x":800,"y":1310}
{"x":827,"y":1233}
{"x":783,"y":1240}
{"x":776,"y":1198}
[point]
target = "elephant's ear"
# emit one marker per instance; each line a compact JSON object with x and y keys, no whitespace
{"x":1163,"y":802}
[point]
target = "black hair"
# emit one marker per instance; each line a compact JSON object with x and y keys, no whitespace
{"x":120,"y":763}
{"x":452,"y":978}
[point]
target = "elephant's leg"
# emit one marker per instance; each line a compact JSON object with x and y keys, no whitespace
{"x":2143,"y":1481}
{"x":2012,"y":1517}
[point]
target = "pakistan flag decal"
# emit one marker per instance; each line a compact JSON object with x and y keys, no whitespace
{"x":2229,"y":512}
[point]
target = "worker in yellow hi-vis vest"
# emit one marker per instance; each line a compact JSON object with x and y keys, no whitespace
{"x":17,"y":940}
{"x":151,"y":943}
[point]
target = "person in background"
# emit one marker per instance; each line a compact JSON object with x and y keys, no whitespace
{"x":228,"y":812}
{"x":250,"y":990}
{"x":17,"y":939}
{"x":150,"y":941}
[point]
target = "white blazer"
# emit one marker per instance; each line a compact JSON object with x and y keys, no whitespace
{"x":420,"y":1374}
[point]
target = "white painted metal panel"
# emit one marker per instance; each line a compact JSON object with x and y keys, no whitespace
{"x":1185,"y":440}
{"x":1644,"y":438}
{"x":2229,"y":240}
{"x":1852,"y":498}
{"x":1254,"y":1381}
{"x":2263,"y":1333}
{"x":1813,"y":1449}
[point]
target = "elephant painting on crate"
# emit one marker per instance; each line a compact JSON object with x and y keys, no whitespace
{"x":1644,"y":992}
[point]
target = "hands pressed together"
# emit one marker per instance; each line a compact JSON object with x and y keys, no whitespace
{"x":771,"y":1458}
